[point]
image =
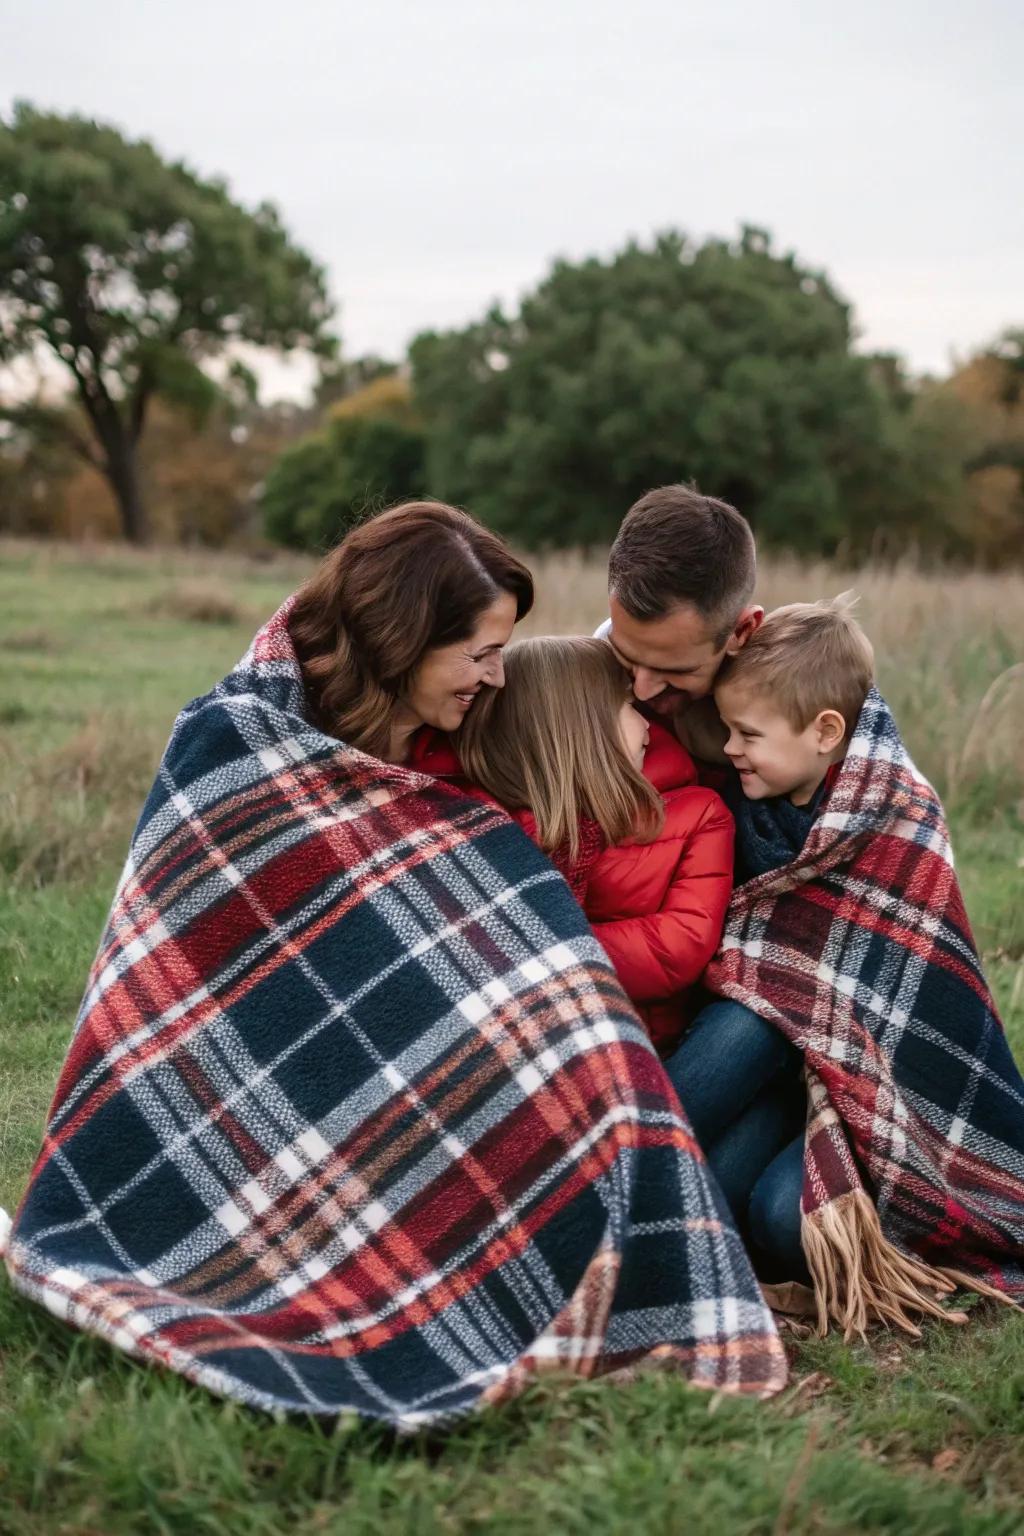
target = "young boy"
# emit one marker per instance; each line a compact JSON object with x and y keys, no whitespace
{"x":848,"y":987}
{"x":790,"y":700}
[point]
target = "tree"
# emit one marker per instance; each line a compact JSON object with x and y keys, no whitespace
{"x":725,"y":363}
{"x":133,"y":272}
{"x":325,"y":483}
{"x":202,"y":487}
{"x":341,"y":377}
{"x":369,"y":453}
{"x":36,"y":464}
{"x":385,"y":397}
{"x":989,"y":390}
{"x":205,"y":485}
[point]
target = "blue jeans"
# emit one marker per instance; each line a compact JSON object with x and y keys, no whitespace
{"x":738,"y":1079}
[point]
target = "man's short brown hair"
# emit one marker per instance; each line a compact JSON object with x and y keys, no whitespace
{"x":676,"y":546}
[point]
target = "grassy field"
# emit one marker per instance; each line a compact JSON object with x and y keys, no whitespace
{"x":98,"y":650}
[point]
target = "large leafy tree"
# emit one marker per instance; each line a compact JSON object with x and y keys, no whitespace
{"x":989,"y":391}
{"x":725,"y":363}
{"x":134,"y":272}
{"x":368,"y":452}
{"x":331,"y":479}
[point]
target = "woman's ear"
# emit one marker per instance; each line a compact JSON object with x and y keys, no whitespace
{"x":831,"y":729}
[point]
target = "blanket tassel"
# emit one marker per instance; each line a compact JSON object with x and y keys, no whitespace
{"x":967,"y":1282}
{"x":860,"y":1278}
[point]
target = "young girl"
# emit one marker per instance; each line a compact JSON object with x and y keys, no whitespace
{"x":613,"y":800}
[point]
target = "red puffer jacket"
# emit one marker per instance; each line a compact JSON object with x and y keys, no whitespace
{"x":657,"y":908}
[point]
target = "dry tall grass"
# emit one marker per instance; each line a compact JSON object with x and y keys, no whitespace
{"x":98,"y":649}
{"x":950,"y":650}
{"x":63,"y":816}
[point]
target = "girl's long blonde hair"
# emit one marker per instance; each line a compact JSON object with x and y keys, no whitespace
{"x":549,"y":742}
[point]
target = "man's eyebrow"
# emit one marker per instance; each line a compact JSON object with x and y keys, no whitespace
{"x":632,"y":661}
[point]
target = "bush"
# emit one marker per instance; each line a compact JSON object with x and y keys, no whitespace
{"x":323,"y":485}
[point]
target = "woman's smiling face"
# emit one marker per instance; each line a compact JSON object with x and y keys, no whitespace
{"x":449,"y":677}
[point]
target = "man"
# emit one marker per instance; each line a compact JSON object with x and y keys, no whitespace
{"x":680,"y":581}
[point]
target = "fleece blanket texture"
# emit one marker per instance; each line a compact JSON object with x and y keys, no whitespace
{"x":860,"y":951}
{"x":356,"y":1116}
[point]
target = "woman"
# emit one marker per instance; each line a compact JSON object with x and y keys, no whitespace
{"x":404,"y":623}
{"x":355,"y":1116}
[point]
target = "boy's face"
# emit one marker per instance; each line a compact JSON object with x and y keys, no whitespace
{"x":771,"y":756}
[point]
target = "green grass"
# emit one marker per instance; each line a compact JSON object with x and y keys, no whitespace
{"x":95,"y":1444}
{"x":97,"y":653}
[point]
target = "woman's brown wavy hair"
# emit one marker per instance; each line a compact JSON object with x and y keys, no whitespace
{"x":401,"y":584}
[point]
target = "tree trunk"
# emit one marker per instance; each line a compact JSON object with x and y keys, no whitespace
{"x":122,"y":472}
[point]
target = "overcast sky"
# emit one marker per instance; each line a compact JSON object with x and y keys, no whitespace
{"x":437,"y":154}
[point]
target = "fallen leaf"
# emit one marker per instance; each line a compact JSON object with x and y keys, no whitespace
{"x":945,"y":1461}
{"x":804,"y":1391}
{"x":813,"y":1385}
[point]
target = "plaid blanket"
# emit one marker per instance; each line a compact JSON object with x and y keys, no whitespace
{"x":355,"y":1115}
{"x":860,"y":951}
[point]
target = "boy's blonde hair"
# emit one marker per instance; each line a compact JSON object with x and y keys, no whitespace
{"x":807,"y":657}
{"x":549,"y":742}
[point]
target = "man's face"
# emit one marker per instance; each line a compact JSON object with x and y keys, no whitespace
{"x":672,"y":659}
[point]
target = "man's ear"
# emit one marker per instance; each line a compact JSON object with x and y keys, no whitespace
{"x":751,"y":618}
{"x":831,"y":729}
